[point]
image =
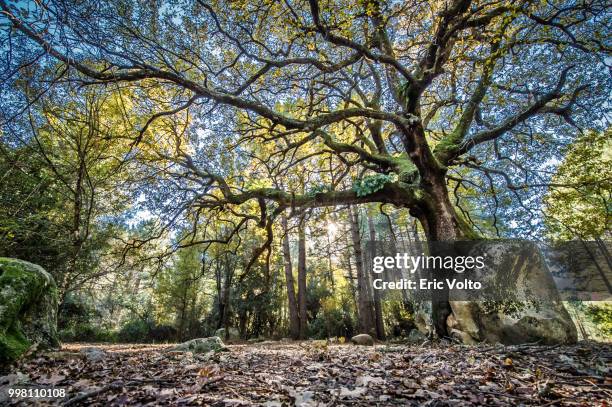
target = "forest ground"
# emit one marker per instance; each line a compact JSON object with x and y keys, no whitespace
{"x":313,"y":373}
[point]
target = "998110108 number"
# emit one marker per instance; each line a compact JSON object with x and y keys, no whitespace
{"x":36,"y":393}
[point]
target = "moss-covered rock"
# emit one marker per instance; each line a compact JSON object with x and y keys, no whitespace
{"x":28,"y":308}
{"x":201,"y":345}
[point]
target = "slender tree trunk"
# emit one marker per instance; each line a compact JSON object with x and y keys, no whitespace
{"x":192,"y":316}
{"x":302,"y":278}
{"x":330,"y":266}
{"x":380,"y":326}
{"x":294,"y":315}
{"x":219,"y":287}
{"x":398,"y":272}
{"x":227,"y":285}
{"x":182,"y":312}
{"x":351,"y":280}
{"x":364,"y":300}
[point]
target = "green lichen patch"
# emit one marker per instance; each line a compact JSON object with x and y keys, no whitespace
{"x":201,"y":345}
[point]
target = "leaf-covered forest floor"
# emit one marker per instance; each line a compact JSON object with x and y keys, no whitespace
{"x":313,"y":373}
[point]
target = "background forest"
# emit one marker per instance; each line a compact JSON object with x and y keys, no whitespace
{"x":69,"y":205}
{"x":176,"y":176}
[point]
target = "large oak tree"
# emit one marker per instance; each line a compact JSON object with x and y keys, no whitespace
{"x":402,"y":101}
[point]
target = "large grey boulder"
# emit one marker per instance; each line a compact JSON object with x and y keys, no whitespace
{"x":522,"y":303}
{"x":363,"y":339}
{"x":28,"y":308}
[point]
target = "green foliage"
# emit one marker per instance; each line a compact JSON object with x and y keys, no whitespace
{"x":601,"y":315}
{"x":75,"y":309}
{"x":30,"y":227}
{"x":79,"y":321}
{"x":580,"y":206}
{"x":179,"y":291}
{"x":87,"y":332}
{"x":331,"y":313}
{"x":593,"y":319}
{"x":334,"y":320}
{"x":398,"y":315}
{"x":257,"y":305}
{"x":37,"y":222}
{"x":372,"y":183}
{"x":59,"y":200}
{"x":135,"y":331}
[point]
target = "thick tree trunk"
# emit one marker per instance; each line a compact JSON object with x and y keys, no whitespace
{"x":221,"y":310}
{"x":302,"y":278}
{"x":441,"y":224}
{"x":294,"y":316}
{"x":181,"y":316}
{"x":243,"y":318}
{"x":379,"y":323}
{"x":364,"y":299}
